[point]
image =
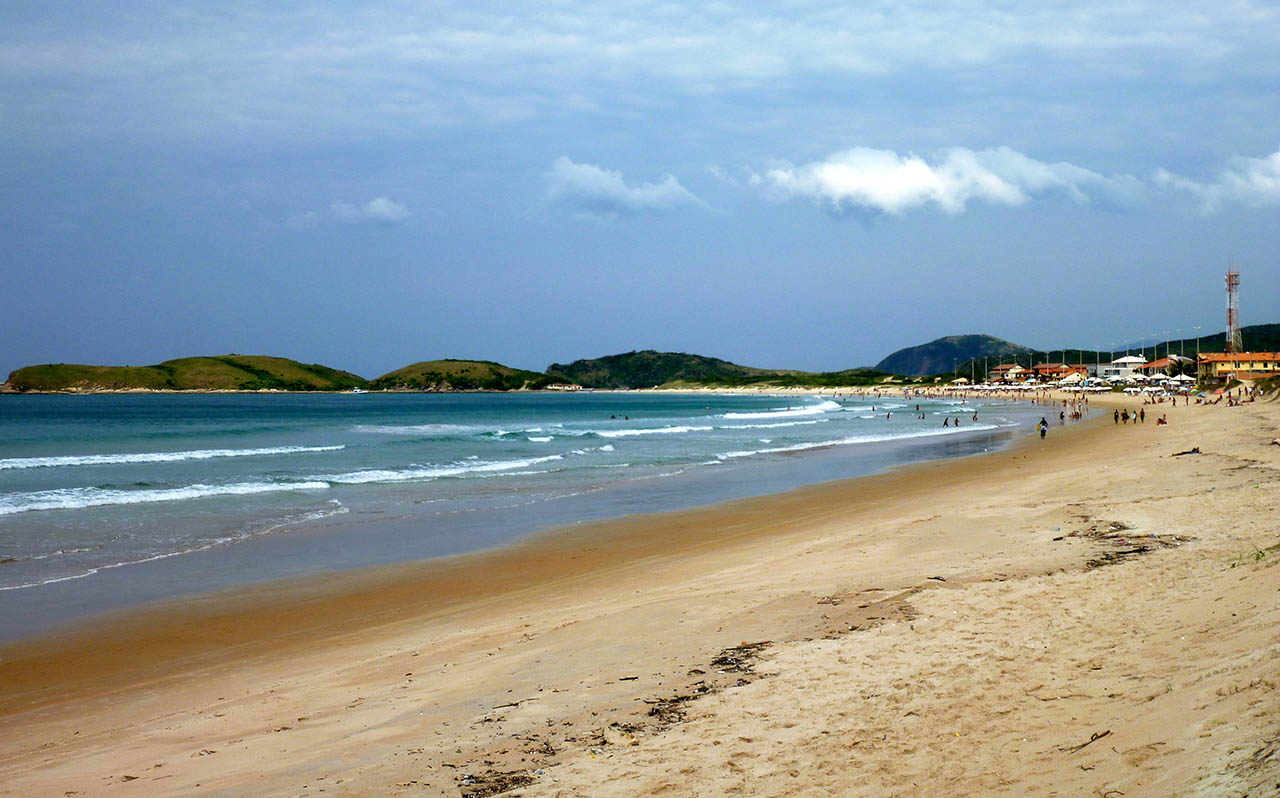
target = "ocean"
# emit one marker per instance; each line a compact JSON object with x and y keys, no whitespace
{"x":107,"y":501}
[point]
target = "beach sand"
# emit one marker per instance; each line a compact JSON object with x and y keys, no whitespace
{"x":1083,"y":615}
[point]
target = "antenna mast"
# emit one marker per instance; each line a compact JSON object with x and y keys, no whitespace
{"x":1233,"y":311}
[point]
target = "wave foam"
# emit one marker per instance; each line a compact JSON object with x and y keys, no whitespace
{"x":777,"y":425}
{"x":432,"y":472}
{"x":154,"y":457}
{"x":799,"y":447}
{"x":808,"y":410}
{"x":78,"y":498}
{"x":626,"y":433}
{"x":315,"y":515}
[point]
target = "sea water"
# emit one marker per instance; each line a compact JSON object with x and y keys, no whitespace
{"x":112,"y":500}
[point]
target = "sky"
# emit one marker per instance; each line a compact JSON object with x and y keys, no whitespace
{"x":788,"y":184}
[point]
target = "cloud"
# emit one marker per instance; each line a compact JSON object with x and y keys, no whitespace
{"x":1249,"y":181}
{"x":378,"y":209}
{"x":594,"y":192}
{"x":882,"y":181}
{"x":300,"y":72}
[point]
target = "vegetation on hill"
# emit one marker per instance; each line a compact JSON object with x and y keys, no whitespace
{"x":650,"y":369}
{"x":224,"y":373}
{"x":459,"y":375}
{"x":942,"y":355}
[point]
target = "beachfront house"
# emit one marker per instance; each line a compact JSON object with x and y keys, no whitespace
{"x":1052,"y":372}
{"x":1165,"y":366}
{"x":1122,"y":367}
{"x":1241,"y":365}
{"x":1007,"y":372}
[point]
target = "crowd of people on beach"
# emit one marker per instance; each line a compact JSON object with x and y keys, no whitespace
{"x":1074,"y":408}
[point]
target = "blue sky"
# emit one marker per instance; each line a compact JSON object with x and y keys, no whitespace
{"x":790,"y":184}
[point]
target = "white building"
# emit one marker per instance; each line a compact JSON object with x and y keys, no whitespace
{"x":1122,"y":367}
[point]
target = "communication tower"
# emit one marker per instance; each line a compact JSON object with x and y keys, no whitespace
{"x":1233,"y":311}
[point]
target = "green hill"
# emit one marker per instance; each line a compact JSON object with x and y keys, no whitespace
{"x":459,"y":375}
{"x":224,"y":373}
{"x":650,"y":369}
{"x":942,"y":356}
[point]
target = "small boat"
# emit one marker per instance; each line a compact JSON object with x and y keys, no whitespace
{"x":358,"y":390}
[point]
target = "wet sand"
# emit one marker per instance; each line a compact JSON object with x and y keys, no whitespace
{"x":1071,"y":616}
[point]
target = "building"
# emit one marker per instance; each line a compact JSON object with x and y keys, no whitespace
{"x":1007,"y":372}
{"x":1052,"y":372}
{"x":1168,"y":366}
{"x":1122,"y":366}
{"x":1241,"y":365}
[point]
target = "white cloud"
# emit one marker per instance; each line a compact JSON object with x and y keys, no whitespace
{"x":884,"y":181}
{"x":1250,"y":181}
{"x":595,"y":192}
{"x":378,"y":209}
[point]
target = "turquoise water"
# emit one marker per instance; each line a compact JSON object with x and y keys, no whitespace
{"x":111,"y":500}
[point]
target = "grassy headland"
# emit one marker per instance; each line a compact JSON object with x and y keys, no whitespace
{"x":219,"y":373}
{"x":459,"y":375}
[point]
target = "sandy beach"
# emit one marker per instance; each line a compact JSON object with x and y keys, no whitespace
{"x":1091,"y":614}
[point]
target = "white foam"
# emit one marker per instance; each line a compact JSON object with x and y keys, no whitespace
{"x":78,"y":498}
{"x":154,"y":457}
{"x":423,"y":473}
{"x":799,"y":447}
{"x":540,"y":438}
{"x":777,"y":425}
{"x":608,"y":447}
{"x":808,"y":410}
{"x":314,"y":515}
{"x":626,"y":433}
{"x":417,"y":429}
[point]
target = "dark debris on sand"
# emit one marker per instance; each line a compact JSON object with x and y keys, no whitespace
{"x":493,"y":782}
{"x":1123,"y":543}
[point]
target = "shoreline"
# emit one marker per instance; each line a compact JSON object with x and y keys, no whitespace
{"x":570,"y":612}
{"x":73,"y":598}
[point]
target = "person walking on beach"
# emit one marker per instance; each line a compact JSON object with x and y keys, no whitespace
{"x":1142,"y":415}
{"x":1117,"y":415}
{"x":1044,"y":427}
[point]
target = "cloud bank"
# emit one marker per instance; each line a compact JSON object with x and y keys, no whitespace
{"x":591,"y":191}
{"x":882,"y":181}
{"x":1249,"y":181}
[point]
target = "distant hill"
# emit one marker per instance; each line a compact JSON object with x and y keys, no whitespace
{"x":223,"y":373}
{"x":942,"y":355}
{"x":459,"y":375}
{"x":650,"y":369}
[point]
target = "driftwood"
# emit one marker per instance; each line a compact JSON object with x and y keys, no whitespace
{"x":1093,"y":738}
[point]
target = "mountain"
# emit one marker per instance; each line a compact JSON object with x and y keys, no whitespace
{"x":650,"y":369}
{"x":459,"y":375}
{"x":942,"y":355}
{"x":221,"y":373}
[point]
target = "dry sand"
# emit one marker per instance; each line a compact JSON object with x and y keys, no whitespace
{"x":1084,"y":615}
